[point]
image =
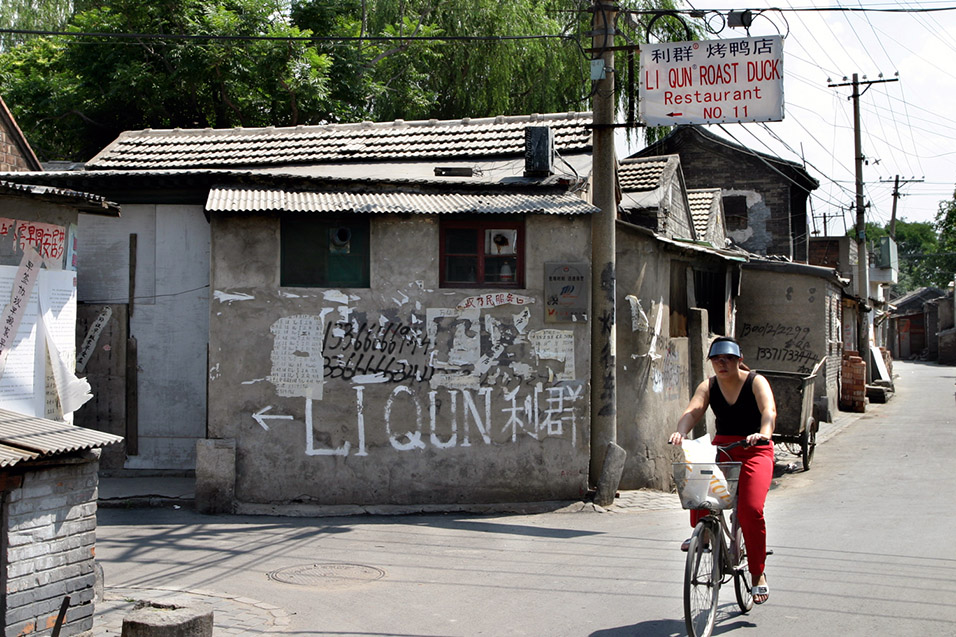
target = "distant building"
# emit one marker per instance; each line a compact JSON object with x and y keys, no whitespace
{"x":764,"y":197}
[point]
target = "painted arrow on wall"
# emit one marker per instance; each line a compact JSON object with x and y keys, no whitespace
{"x":261,"y":418}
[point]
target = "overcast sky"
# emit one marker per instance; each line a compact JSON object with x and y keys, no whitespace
{"x":908,"y":127}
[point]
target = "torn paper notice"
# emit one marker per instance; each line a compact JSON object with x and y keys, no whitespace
{"x":12,"y":315}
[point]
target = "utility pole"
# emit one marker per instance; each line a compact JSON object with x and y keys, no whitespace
{"x":896,"y":197}
{"x":863,"y":284}
{"x":603,"y":258}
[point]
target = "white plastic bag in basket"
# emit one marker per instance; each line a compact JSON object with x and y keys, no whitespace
{"x":702,"y":492}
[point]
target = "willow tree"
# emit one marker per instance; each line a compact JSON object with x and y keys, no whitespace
{"x":223,"y":63}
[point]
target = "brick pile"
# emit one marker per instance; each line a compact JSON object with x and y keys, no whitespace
{"x":853,"y":387}
{"x":51,"y":532}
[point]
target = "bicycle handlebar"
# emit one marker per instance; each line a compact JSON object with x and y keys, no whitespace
{"x":743,"y":443}
{"x":739,"y":443}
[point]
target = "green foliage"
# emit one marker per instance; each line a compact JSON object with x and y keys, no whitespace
{"x":912,"y":239}
{"x":451,"y":78}
{"x":946,"y":229}
{"x":927,"y":251}
{"x":371,"y":60}
{"x":34,"y":15}
{"x":74,"y":95}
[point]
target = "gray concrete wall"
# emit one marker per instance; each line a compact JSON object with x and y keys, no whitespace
{"x":51,"y":533}
{"x":788,"y":322}
{"x":947,"y":309}
{"x":492,"y":405}
{"x":653,"y":368}
{"x":169,"y":319}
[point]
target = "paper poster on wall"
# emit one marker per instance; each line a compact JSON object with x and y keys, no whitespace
{"x":18,"y":336}
{"x":58,"y":322}
{"x":23,"y":383}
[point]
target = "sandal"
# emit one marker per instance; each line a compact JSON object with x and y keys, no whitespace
{"x":761,"y":589}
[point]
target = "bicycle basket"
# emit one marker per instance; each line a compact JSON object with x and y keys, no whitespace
{"x":707,"y":485}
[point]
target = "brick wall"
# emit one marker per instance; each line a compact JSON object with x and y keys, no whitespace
{"x":706,"y":169}
{"x":49,"y":549}
{"x":825,"y":252}
{"x":11,"y":159}
{"x":853,"y":388}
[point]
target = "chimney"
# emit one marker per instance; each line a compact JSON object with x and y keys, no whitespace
{"x":538,"y":151}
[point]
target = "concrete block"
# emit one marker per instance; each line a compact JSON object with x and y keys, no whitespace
{"x":150,"y":619}
{"x":215,"y":475}
{"x":99,"y":583}
{"x":878,"y":394}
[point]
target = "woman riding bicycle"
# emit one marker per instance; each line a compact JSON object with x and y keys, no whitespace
{"x":743,"y":404}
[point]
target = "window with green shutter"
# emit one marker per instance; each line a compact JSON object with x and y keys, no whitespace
{"x":319,"y":252}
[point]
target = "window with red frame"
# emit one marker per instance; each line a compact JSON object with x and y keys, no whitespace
{"x":482,"y":253}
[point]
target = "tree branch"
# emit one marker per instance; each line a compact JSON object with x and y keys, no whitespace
{"x":402,"y":47}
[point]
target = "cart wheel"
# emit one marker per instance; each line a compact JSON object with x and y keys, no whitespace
{"x":808,"y":443}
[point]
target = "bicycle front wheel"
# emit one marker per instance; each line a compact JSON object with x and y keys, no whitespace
{"x":702,"y":580}
{"x":743,"y":581}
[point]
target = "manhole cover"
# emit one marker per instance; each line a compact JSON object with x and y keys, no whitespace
{"x":328,"y":575}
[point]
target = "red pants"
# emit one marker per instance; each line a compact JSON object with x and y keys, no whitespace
{"x":756,"y":473}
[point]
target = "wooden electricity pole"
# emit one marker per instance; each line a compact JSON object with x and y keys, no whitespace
{"x":863,"y":284}
{"x":896,"y":198}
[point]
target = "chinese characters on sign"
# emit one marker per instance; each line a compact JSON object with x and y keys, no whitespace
{"x":710,"y":82}
{"x":494,"y":300}
{"x":49,"y":240}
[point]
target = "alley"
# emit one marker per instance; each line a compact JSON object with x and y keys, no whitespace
{"x":861,"y":548}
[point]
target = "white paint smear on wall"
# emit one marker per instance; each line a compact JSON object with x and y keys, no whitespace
{"x":521,"y":320}
{"x":226,"y":297}
{"x":334,"y":296}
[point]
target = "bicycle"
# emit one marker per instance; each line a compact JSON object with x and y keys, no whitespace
{"x":716,"y":552}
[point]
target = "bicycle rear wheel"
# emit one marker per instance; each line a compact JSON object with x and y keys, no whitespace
{"x":702,"y":580}
{"x":743,"y":581}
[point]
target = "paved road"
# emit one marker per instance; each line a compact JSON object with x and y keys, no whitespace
{"x":863,"y":547}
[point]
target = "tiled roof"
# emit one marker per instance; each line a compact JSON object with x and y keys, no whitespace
{"x":26,"y":438}
{"x":641,"y":174}
{"x":239,"y":199}
{"x":338,"y":143}
{"x":701,"y":201}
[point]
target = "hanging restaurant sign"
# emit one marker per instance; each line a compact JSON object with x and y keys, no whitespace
{"x":712,"y":81}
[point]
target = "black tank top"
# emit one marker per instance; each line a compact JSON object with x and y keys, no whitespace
{"x":743,"y":417}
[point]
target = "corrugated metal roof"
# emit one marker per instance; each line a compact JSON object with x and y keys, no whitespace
{"x":9,"y":456}
{"x":235,"y":199}
{"x":337,"y":143}
{"x":84,"y":201}
{"x":27,"y":437}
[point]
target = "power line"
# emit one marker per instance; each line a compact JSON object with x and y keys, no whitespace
{"x":288,"y":38}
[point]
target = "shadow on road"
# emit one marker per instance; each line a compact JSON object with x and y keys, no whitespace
{"x":650,"y":628}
